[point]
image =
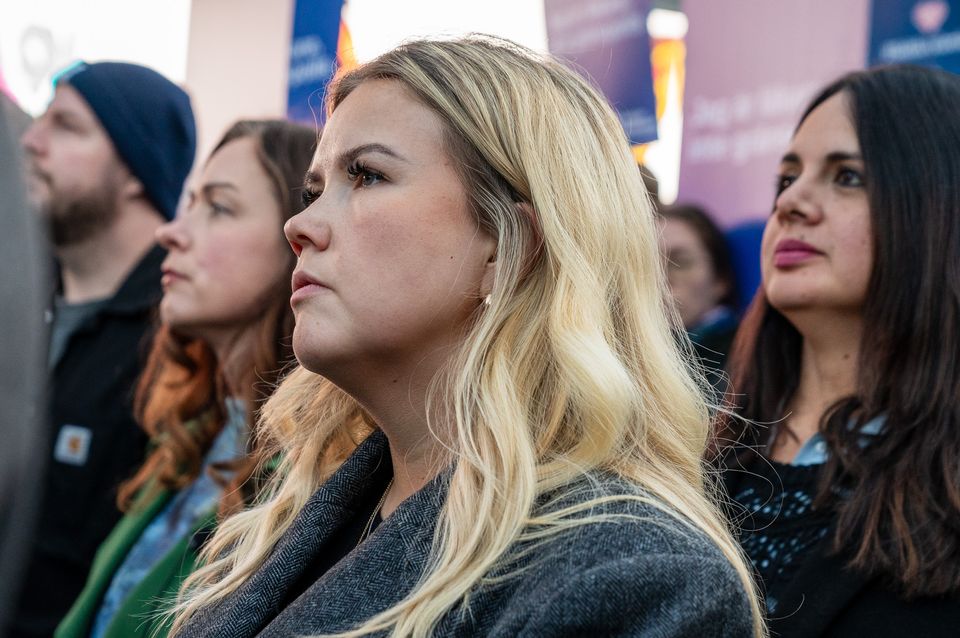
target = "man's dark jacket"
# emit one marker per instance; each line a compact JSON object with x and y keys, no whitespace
{"x":640,"y":574}
{"x":92,"y":390}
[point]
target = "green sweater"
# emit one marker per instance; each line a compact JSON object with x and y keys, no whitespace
{"x":138,"y":616}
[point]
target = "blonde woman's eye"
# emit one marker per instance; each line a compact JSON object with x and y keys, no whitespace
{"x":309,"y":195}
{"x":362,"y":176}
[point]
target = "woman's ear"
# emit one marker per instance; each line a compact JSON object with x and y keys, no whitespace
{"x":533,"y":250}
{"x":535,"y":247}
{"x":489,"y":275}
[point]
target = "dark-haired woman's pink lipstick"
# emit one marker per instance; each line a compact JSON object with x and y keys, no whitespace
{"x":791,"y":252}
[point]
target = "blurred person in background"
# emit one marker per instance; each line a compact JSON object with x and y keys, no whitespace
{"x":106,"y":165}
{"x":847,"y":367}
{"x":478,"y":293}
{"x":224,"y":339}
{"x":701,"y":278}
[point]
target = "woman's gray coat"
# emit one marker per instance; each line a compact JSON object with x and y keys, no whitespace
{"x":650,"y":577}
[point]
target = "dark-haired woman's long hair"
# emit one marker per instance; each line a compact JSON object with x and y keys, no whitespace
{"x":180,"y":398}
{"x":896,"y":495}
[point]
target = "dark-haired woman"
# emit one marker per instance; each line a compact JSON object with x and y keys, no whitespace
{"x":700,"y":274}
{"x":847,"y":367}
{"x":225,"y":337}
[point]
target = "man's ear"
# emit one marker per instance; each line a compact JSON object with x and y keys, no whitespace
{"x":132,"y":187}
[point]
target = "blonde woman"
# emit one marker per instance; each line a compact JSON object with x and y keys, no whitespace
{"x":479,"y":289}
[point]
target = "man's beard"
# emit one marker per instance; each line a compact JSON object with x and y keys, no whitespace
{"x":74,"y":221}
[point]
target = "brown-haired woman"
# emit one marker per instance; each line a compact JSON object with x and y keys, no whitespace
{"x":846,"y":367}
{"x":225,"y":336}
{"x":701,"y":278}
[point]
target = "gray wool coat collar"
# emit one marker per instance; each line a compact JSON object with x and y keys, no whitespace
{"x":640,"y":574}
{"x":408,"y":532}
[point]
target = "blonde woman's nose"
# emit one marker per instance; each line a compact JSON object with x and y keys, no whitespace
{"x":307,"y":230}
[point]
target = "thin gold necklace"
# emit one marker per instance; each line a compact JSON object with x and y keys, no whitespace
{"x":376,"y":510}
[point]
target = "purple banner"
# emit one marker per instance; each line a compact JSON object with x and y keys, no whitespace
{"x":751,"y":68}
{"x":607,"y":40}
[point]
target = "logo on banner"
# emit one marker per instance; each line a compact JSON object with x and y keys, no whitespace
{"x":907,"y":31}
{"x":928,"y":16}
{"x":73,"y":445}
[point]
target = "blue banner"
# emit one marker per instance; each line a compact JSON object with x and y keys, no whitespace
{"x":608,"y":41}
{"x":925,"y":32}
{"x":313,"y":57}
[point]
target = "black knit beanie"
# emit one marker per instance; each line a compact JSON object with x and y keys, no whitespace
{"x":149,"y":119}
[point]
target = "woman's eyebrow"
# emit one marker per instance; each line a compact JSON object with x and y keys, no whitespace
{"x":790,"y":158}
{"x":210,"y":187}
{"x":349,"y":156}
{"x":833,"y":157}
{"x":843,"y":156}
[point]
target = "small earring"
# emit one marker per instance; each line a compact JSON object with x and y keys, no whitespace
{"x":486,"y":300}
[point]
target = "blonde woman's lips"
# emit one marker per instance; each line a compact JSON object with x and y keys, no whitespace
{"x":304,"y":285}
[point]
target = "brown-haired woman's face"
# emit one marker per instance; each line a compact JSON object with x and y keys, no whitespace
{"x":391,"y":260}
{"x":817,"y":252}
{"x":692,"y":277}
{"x":227,"y":253}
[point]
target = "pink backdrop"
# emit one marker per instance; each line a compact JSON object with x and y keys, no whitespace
{"x":752,"y":65}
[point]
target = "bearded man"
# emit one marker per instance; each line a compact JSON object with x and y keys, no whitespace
{"x":106,"y":164}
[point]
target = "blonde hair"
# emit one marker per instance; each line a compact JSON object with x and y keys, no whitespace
{"x":571,"y":368}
